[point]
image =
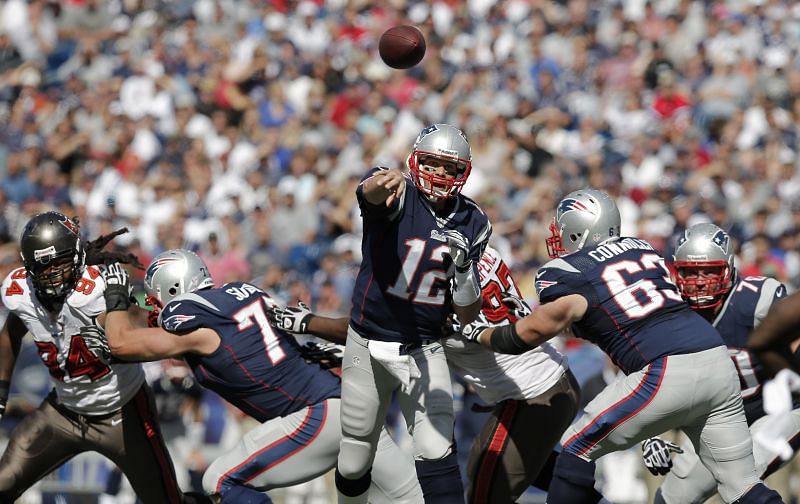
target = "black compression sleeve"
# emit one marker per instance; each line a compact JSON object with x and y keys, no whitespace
{"x":506,"y":340}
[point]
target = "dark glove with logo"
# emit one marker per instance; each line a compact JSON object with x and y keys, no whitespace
{"x":327,"y":355}
{"x":293,"y":319}
{"x":657,"y":455}
{"x":118,"y":288}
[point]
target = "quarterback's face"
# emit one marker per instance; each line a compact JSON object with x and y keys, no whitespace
{"x":443,"y":172}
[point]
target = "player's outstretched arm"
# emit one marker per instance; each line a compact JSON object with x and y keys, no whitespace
{"x":384,"y":186}
{"x":301,"y":320}
{"x":770,"y":339}
{"x":144,"y":344}
{"x":10,"y":340}
{"x":546,"y":321}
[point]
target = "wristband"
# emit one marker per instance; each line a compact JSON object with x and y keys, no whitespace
{"x":467,"y":289}
{"x":117,"y":298}
{"x":506,"y":340}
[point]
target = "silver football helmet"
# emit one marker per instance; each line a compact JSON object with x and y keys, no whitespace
{"x":704,"y":269}
{"x":586,"y":217}
{"x":172,"y":273}
{"x":440,"y":144}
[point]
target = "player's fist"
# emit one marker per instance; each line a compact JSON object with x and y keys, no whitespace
{"x":118,"y":288}
{"x":293,"y":319}
{"x":657,"y":455}
{"x":96,"y":342}
{"x":458,"y":246}
{"x":473,"y":330}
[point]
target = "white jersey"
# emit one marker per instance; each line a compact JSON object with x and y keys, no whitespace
{"x":83,"y":382}
{"x":497,"y":377}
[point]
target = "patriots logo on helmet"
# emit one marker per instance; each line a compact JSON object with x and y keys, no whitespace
{"x":427,"y":131}
{"x":720,"y":239}
{"x":571,"y":204}
{"x":157,"y":265}
{"x":172,"y":322}
{"x":69,"y":224}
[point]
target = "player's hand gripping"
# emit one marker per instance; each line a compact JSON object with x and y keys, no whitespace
{"x":657,"y":455}
{"x":96,"y":341}
{"x":473,"y":330}
{"x":118,"y":288}
{"x":293,"y":319}
{"x":459,"y":250}
{"x":516,"y":306}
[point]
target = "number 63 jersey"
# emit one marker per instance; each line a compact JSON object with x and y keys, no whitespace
{"x":83,"y":381}
{"x":635,"y":313}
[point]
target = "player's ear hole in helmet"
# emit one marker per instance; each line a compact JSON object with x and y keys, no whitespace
{"x":586,"y":217}
{"x":53,"y":255}
{"x":704,"y":265}
{"x":440,"y":161}
{"x":172,"y":273}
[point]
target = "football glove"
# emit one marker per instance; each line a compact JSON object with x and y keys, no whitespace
{"x":473,"y":330}
{"x":327,"y":355}
{"x":293,"y":319}
{"x":5,"y":387}
{"x":459,"y":249}
{"x":96,"y":342}
{"x":516,"y":305}
{"x":657,"y":455}
{"x":118,"y":288}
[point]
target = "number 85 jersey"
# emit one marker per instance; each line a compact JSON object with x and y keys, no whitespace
{"x":635,"y":312}
{"x":84,"y":383}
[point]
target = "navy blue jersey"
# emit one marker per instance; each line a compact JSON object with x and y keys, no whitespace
{"x":746,"y":305}
{"x":256,"y":367}
{"x":635,"y":314}
{"x":402,"y":292}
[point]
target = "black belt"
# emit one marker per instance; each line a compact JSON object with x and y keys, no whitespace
{"x":74,"y":415}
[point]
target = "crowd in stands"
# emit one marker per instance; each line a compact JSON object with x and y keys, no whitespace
{"x":240,"y":128}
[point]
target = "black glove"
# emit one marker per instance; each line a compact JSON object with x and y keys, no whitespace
{"x":96,"y":342}
{"x":118,"y":288}
{"x":293,"y":319}
{"x":657,"y":455}
{"x":327,"y":355}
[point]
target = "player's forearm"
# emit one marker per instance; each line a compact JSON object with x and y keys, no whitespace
{"x":331,"y":329}
{"x":10,"y":341}
{"x":467,"y":314}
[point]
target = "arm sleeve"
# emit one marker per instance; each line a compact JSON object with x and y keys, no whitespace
{"x":185,"y":315}
{"x":555,"y":280}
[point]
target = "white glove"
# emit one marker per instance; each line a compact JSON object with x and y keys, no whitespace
{"x":459,"y":249}
{"x":778,"y":392}
{"x":293,"y":319}
{"x":473,"y":330}
{"x":96,"y":342}
{"x":518,"y":307}
{"x":657,"y":455}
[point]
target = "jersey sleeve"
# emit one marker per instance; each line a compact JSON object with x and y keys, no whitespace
{"x":188,"y":312}
{"x":771,"y":291}
{"x":557,"y":279}
{"x":380,"y":210}
{"x":14,"y":290}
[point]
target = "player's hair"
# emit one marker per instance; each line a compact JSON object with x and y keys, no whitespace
{"x":96,"y":255}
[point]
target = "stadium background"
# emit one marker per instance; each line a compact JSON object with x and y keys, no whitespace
{"x":240,"y":128}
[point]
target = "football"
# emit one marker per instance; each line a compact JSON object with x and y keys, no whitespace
{"x":402,"y":46}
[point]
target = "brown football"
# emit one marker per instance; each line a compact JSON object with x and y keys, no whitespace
{"x":402,"y":46}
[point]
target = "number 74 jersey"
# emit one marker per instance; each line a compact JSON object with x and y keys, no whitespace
{"x":635,"y":313}
{"x":83,"y":381}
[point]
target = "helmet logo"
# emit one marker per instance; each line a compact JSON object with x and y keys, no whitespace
{"x":720,"y":239}
{"x":44,"y":255}
{"x":571,"y":204}
{"x":157,"y":265}
{"x":67,"y":223}
{"x":427,"y":131}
